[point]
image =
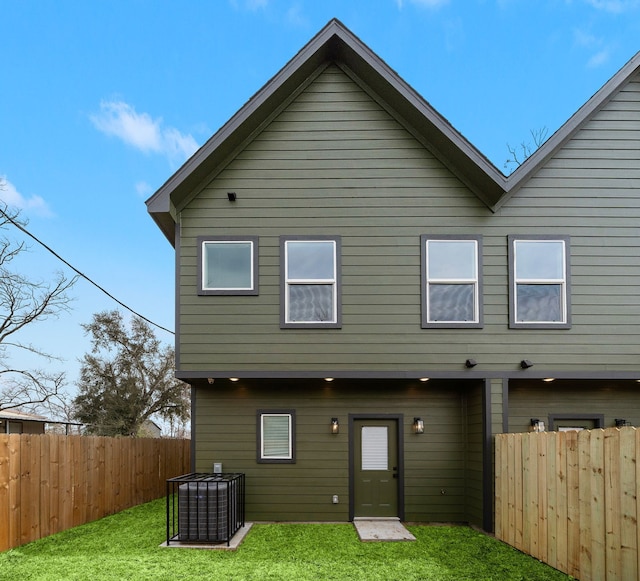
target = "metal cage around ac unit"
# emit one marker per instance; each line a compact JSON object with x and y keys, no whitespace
{"x":204,"y":508}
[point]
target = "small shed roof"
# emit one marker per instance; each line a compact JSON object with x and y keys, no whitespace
{"x":14,"y":415}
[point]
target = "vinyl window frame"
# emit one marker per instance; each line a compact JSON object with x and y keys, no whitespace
{"x":201,"y":255}
{"x":289,"y":458}
{"x":564,"y":283}
{"x":286,"y":283}
{"x":426,"y":281}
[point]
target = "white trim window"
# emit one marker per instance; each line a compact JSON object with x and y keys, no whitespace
{"x":451,"y":281}
{"x":276,"y":436}
{"x":539,"y":282}
{"x":227,"y":265}
{"x":311,"y":282}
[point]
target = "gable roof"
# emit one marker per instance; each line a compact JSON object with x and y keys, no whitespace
{"x":336,"y":44}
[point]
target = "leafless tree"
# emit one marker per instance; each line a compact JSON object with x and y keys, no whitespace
{"x":519,"y":154}
{"x":24,"y":302}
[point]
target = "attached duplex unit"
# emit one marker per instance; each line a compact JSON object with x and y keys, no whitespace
{"x":363,"y":300}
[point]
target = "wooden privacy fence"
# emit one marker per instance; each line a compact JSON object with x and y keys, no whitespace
{"x":570,"y":500}
{"x":49,"y":483}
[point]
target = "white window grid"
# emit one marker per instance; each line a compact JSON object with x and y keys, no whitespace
{"x":472,"y":281}
{"x":289,"y":282}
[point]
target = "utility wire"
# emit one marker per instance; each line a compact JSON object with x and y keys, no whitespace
{"x":81,"y":274}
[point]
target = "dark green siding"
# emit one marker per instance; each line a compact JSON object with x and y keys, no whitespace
{"x":614,"y":399}
{"x":335,"y":162}
{"x":440,"y":467}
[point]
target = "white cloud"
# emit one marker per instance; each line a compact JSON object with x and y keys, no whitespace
{"x":423,"y":3}
{"x":614,"y":6}
{"x":141,"y":131}
{"x":143,"y":189}
{"x":296,"y":17}
{"x":599,"y":58}
{"x":252,"y":5}
{"x":10,"y":196}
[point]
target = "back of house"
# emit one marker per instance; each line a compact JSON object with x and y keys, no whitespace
{"x":363,"y":300}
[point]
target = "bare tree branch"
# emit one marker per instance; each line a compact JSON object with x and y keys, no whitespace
{"x":24,"y":302}
{"x":518,"y":155}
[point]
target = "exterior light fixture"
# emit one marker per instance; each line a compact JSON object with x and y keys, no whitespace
{"x":470,"y":363}
{"x":234,"y":379}
{"x":418,"y":426}
{"x":537,"y":425}
{"x":328,"y":379}
{"x":232,"y":196}
{"x":210,"y":380}
{"x":526,"y":363}
{"x":549,"y":379}
{"x":335,"y":426}
{"x":424,"y":379}
{"x":621,"y":423}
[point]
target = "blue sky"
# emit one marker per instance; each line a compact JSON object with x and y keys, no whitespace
{"x":102,"y":101}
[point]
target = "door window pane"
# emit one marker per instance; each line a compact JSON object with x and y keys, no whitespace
{"x":375,"y":448}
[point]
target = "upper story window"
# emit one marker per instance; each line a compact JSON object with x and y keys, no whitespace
{"x":228,"y":265}
{"x":310,"y":282}
{"x":539,"y":280}
{"x":451,"y":281}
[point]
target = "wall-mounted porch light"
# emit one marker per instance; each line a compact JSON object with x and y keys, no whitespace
{"x":418,"y":426}
{"x":526,"y":363}
{"x":470,"y":363}
{"x":537,"y":425}
{"x":210,"y":380}
{"x":335,"y":426}
{"x":621,"y":423}
{"x":232,"y":196}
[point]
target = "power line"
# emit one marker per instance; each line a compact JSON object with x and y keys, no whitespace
{"x":81,"y":274}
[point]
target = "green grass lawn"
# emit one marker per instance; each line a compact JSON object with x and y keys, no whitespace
{"x":126,"y":546}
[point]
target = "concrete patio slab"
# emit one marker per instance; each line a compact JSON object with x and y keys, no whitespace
{"x":381,"y":529}
{"x":234,"y":543}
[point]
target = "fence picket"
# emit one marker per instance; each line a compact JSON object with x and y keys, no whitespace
{"x":584,"y":502}
{"x":49,"y":483}
{"x":4,"y":494}
{"x":628,"y":509}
